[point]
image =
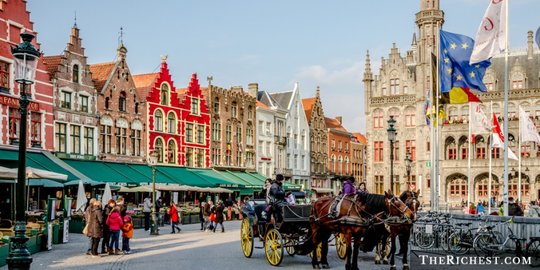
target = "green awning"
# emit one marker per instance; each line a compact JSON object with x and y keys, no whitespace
{"x":183,"y":176}
{"x":36,"y":160}
{"x":247,"y":191}
{"x":286,"y":186}
{"x":44,"y":183}
{"x":252,"y":182}
{"x":219,"y":180}
{"x":99,"y":171}
{"x":147,"y":171}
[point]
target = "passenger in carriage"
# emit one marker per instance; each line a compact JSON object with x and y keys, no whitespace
{"x":362,"y":188}
{"x":347,"y":189}
{"x":276,"y":197}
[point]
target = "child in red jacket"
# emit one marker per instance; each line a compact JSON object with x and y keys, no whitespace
{"x":114,"y":221}
{"x":127,"y":233}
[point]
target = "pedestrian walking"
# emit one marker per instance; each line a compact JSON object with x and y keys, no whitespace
{"x":147,"y":208}
{"x":173,"y":213}
{"x":513,"y":208}
{"x":127,"y":233}
{"x":95,"y":226}
{"x":159,"y":205}
{"x":206,"y":214}
{"x":219,"y":216}
{"x":201,"y":214}
{"x":115,"y":222}
{"x":480,"y":209}
{"x":106,"y":231}
{"x":86,"y":216}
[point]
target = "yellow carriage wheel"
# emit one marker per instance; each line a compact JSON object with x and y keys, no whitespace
{"x":246,"y":238}
{"x":273,"y":247}
{"x":341,"y":246}
{"x":318,"y":250}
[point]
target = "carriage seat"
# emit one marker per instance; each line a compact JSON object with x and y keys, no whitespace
{"x":259,"y":208}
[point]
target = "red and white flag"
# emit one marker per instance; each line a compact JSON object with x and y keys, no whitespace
{"x":529,"y":133}
{"x":498,"y":138}
{"x":479,"y":121}
{"x":490,"y":38}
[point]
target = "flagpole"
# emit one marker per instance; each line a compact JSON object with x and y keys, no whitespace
{"x":506,"y":85}
{"x":490,"y":153}
{"x":519,"y":158}
{"x":436,"y":179}
{"x":469,"y":152}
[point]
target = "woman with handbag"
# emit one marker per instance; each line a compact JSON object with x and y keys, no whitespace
{"x":95,"y":226}
{"x":173,"y":213}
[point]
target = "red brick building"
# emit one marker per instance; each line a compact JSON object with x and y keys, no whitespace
{"x":178,"y":119}
{"x":339,"y":147}
{"x":75,"y":103}
{"x":15,"y":19}
{"x":121,"y":124}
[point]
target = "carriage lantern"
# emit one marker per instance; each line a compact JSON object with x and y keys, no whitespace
{"x":391,"y":138}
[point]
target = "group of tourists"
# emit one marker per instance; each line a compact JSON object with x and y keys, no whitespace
{"x":172,"y":212}
{"x":107,"y":222}
{"x":515,"y":208}
{"x":211,"y":215}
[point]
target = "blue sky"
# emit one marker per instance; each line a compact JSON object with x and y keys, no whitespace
{"x":274,"y":43}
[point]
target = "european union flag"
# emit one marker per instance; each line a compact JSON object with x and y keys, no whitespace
{"x":454,"y":68}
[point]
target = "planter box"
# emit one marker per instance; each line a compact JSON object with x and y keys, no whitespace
{"x":194,"y":219}
{"x":138,"y":223}
{"x":34,"y":244}
{"x":76,"y":226}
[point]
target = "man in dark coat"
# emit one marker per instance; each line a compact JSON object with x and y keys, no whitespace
{"x":277,"y":197}
{"x":513,"y":208}
{"x":219,"y":216}
{"x":95,"y":226}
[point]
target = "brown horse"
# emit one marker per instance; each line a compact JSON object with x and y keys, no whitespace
{"x":402,"y":229}
{"x":357,"y":214}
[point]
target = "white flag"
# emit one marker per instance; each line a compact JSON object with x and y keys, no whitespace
{"x":490,"y":38}
{"x":479,"y":121}
{"x":529,"y":133}
{"x":498,"y":138}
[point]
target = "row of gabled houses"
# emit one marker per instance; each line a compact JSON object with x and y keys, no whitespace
{"x":102,"y":112}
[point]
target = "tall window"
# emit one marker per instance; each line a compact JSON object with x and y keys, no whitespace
{"x":195,"y":106}
{"x":171,"y":152}
{"x":496,"y":152}
{"x":410,"y":117}
{"x":164,"y":94}
{"x":189,"y":132}
{"x":66,"y":100}
{"x":200,"y":134}
{"x":189,"y":157}
{"x":216,"y":156}
{"x":249,"y":135}
{"x":228,"y":133}
{"x":4,"y":76}
{"x":379,"y":184}
{"x":84,"y":104}
{"x":200,"y":158}
{"x":89,"y":141}
{"x":396,"y":151}
{"x":106,"y":137}
{"x":136,"y":142}
{"x":394,"y":87}
{"x":60,"y":136}
{"x":228,"y":154}
{"x":121,"y":140}
{"x":216,"y":131}
{"x":480,"y":151}
{"x":35,"y":129}
{"x":239,"y":133}
{"x":216,"y":105}
{"x":158,"y":121}
{"x":234,"y":108}
{"x":136,"y":107}
{"x":378,"y":149}
{"x":378,"y":118}
{"x":451,"y":150}
{"x":122,"y":101}
{"x":458,"y":188}
{"x":75,"y":75}
{"x":238,"y":156}
{"x":106,"y":103}
{"x":75,"y":137}
{"x":410,"y":146}
{"x":171,"y":122}
{"x":250,"y":113}
{"x":158,"y":148}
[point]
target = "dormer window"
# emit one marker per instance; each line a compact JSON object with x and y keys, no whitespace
{"x":75,"y":75}
{"x":122,"y":101}
{"x":164,"y":94}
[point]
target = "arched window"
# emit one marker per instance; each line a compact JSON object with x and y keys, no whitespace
{"x":250,"y":113}
{"x":458,"y":187}
{"x":171,"y":122}
{"x":463,"y":146}
{"x":340,"y":165}
{"x":164,"y":94}
{"x":171,"y":152}
{"x":394,"y":112}
{"x":234,"y":109}
{"x":158,"y":121}
{"x":158,"y":148}
{"x":122,"y":101}
{"x":465,"y":113}
{"x":75,"y":75}
{"x":480,"y":147}
{"x":216,"y":105}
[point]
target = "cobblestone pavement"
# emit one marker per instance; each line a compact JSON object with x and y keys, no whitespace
{"x":191,"y":249}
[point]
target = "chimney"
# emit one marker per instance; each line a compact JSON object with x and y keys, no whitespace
{"x":530,"y":45}
{"x":340,"y":119}
{"x":253,"y":89}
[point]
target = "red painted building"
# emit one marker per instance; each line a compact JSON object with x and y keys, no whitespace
{"x":15,"y":19}
{"x":177,"y":119}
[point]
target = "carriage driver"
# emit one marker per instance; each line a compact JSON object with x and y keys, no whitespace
{"x":277,"y":197}
{"x":347,"y":189}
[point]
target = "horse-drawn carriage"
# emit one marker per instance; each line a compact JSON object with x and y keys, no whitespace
{"x":293,"y":234}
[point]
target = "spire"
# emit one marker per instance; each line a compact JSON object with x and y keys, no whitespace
{"x":368,"y":64}
{"x":122,"y":50}
{"x":414,"y":39}
{"x":318,"y":92}
{"x":75,"y":20}
{"x":121,"y":36}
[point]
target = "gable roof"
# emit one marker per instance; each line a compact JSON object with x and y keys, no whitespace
{"x":101,"y":73}
{"x":361,"y":138}
{"x":308,"y":103}
{"x":332,"y":123}
{"x":52,"y":62}
{"x":144,"y":83}
{"x":283,"y":98}
{"x":262,"y":105}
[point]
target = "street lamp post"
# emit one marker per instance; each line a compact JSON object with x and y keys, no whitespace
{"x":391,"y":138}
{"x":152,"y":160}
{"x":26,"y":57}
{"x":408,"y":164}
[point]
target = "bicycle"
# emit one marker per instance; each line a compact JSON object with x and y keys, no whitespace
{"x":490,"y":243}
{"x":435,"y":228}
{"x":533,"y":250}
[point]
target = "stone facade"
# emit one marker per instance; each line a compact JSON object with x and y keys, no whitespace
{"x":75,"y":103}
{"x":318,"y":141}
{"x":122,"y":132}
{"x":232,"y":125}
{"x":14,"y":20}
{"x":400,"y":90}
